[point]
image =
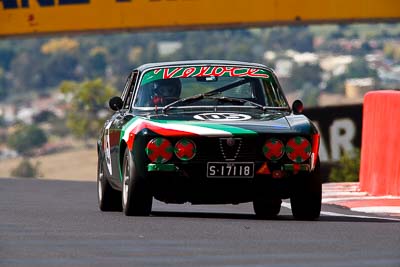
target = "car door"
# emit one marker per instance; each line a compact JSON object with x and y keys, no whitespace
{"x":113,"y":131}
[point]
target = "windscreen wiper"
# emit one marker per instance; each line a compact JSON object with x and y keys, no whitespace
{"x":183,"y":100}
{"x":245,"y":101}
{"x":219,"y":98}
{"x":189,"y":99}
{"x":239,"y":100}
{"x":228,"y":86}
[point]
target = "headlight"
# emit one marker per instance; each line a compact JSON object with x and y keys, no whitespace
{"x":159,"y":150}
{"x":273,"y":149}
{"x":185,"y":149}
{"x":298,"y":149}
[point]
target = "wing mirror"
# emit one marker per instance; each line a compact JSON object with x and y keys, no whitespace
{"x":297,"y":107}
{"x":115,"y":103}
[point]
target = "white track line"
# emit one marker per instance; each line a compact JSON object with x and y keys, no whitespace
{"x":334,"y":214}
{"x":347,"y":198}
{"x":378,"y":209}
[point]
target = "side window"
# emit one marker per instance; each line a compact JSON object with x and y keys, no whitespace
{"x":273,"y":95}
{"x":127,"y":83}
{"x":128,"y":90}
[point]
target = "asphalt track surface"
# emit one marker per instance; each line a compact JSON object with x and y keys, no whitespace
{"x":57,"y":223}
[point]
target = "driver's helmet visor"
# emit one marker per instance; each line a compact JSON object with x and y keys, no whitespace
{"x":166,"y":90}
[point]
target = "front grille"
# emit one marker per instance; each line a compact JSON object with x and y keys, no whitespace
{"x":219,"y":149}
{"x":246,"y":149}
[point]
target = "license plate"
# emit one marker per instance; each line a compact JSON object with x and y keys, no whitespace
{"x":230,"y":169}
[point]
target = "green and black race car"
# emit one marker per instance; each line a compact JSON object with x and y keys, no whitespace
{"x":208,"y":132}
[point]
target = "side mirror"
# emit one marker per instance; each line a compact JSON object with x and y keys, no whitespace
{"x":115,"y":103}
{"x":297,"y":107}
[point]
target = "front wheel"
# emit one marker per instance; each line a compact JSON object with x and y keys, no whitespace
{"x":306,"y":198}
{"x":136,"y":195}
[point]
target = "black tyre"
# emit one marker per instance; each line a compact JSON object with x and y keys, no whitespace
{"x":108,"y":198}
{"x":267,"y":208}
{"x":307,"y":195}
{"x":136,"y":195}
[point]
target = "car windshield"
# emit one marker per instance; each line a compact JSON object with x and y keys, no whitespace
{"x":204,"y":86}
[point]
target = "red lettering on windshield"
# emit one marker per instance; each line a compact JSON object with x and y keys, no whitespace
{"x":203,"y":71}
{"x":188,"y":72}
{"x":216,"y":71}
{"x":253,"y":73}
{"x":167,"y":75}
{"x":238,"y":72}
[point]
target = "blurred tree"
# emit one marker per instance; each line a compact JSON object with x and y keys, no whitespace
{"x":348,"y":168}
{"x":44,"y":116}
{"x":359,"y":69}
{"x":2,"y":121}
{"x":310,"y":94}
{"x":298,"y":38}
{"x":135,"y":54}
{"x":88,"y":100}
{"x":59,"y":127}
{"x":337,"y":34}
{"x":392,"y":50}
{"x":60,"y":45}
{"x":26,"y":169}
{"x":97,"y":61}
{"x":3,"y":90}
{"x":388,"y":49}
{"x":150,"y":53}
{"x":6,"y":56}
{"x":26,"y":138}
{"x":307,"y":73}
{"x":336,"y":84}
{"x":21,"y":70}
{"x":58,"y":67}
{"x":303,"y":41}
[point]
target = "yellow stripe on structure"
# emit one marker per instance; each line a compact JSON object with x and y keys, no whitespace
{"x":19,"y":17}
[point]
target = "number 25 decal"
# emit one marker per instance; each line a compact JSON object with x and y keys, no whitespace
{"x":222,"y":117}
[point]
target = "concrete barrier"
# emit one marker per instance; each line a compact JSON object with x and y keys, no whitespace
{"x":380,"y":146}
